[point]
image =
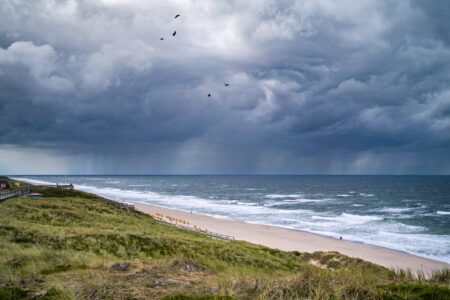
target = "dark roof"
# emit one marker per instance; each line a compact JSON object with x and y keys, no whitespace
{"x":5,"y":181}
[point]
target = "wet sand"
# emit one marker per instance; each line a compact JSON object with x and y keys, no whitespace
{"x":290,"y":240}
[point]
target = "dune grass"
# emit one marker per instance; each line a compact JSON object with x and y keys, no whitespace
{"x":74,"y":245}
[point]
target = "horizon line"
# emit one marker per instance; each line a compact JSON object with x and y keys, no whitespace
{"x":229,"y":174}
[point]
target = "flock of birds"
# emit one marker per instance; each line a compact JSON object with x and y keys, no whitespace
{"x":174,"y":34}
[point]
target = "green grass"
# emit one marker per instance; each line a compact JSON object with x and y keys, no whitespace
{"x":74,"y":245}
{"x":51,"y":192}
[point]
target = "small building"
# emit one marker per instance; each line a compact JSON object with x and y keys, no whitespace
{"x":17,"y":183}
{"x":4,"y":185}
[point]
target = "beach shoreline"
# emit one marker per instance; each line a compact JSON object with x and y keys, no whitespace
{"x":287,"y":239}
{"x":296,"y":240}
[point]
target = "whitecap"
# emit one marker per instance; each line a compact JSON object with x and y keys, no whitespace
{"x":403,"y":228}
{"x":292,"y":202}
{"x":304,"y":200}
{"x":228,"y":201}
{"x":394,"y":209}
{"x":349,"y":218}
{"x":247,"y":203}
{"x":112,"y":181}
{"x":440,"y":212}
{"x":323,"y":218}
{"x":276,"y":196}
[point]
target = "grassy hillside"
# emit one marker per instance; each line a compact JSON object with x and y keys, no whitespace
{"x":70,"y":245}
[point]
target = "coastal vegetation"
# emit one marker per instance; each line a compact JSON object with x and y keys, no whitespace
{"x":75,"y":245}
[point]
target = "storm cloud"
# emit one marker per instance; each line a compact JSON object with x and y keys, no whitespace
{"x":316,"y":87}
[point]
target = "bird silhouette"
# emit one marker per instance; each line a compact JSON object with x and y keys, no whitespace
{"x":209,"y":95}
{"x":177,"y":16}
{"x":226,"y":84}
{"x":161,"y":39}
{"x":174,"y":33}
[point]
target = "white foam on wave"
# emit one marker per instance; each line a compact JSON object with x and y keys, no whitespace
{"x":343,"y":195}
{"x":402,"y":228}
{"x":397,"y":236}
{"x":415,"y":243}
{"x":366,"y":195}
{"x":240,"y":209}
{"x":228,"y":201}
{"x":304,"y":200}
{"x":238,"y":202}
{"x":393,"y":235}
{"x":33,"y":181}
{"x":292,"y":202}
{"x":115,"y":193}
{"x":394,"y":209}
{"x":279,"y":196}
{"x":349,"y":218}
{"x":440,"y":212}
{"x":247,"y":203}
{"x":358,"y":204}
{"x":113,"y":181}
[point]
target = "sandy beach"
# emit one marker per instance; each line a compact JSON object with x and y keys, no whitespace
{"x":290,"y":240}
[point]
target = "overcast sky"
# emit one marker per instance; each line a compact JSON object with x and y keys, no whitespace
{"x":316,"y":87}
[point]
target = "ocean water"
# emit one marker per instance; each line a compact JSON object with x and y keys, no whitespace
{"x":406,"y":213}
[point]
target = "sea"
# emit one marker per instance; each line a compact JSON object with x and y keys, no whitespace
{"x":405,"y":213}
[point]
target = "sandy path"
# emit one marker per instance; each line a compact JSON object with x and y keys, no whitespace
{"x":290,"y":240}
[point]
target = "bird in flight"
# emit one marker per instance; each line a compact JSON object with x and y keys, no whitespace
{"x":175,"y":33}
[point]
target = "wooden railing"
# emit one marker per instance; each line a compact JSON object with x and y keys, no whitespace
{"x":213,"y":235}
{"x":58,"y":186}
{"x":11,"y":194}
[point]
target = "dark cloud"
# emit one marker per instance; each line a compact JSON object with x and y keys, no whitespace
{"x":316,"y":86}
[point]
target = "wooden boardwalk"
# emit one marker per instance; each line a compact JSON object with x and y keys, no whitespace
{"x":11,"y":194}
